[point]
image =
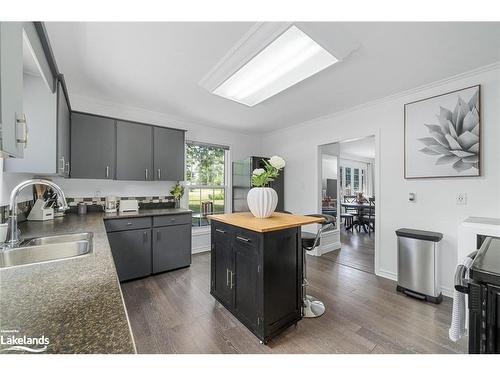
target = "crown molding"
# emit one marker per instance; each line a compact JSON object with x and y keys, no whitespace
{"x":389,"y":98}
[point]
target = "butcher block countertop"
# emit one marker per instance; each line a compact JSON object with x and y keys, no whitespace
{"x":277,"y":221}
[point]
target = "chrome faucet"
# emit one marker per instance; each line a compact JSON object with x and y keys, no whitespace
{"x":13,"y":239}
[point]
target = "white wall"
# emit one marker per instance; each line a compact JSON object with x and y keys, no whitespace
{"x":435,"y":208}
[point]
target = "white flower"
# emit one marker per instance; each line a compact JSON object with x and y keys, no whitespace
{"x":258,"y":171}
{"x":277,"y":162}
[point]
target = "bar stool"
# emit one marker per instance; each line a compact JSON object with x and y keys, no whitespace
{"x":311,"y":306}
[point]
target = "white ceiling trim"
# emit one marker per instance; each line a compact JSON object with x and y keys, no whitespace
{"x":385,"y":99}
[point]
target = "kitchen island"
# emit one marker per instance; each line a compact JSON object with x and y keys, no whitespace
{"x":256,"y":269}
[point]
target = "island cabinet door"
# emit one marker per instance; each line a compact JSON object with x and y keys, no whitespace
{"x":222,"y":265}
{"x":245,"y":280}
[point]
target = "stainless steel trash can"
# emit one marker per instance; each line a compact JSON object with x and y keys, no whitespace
{"x":418,"y":266}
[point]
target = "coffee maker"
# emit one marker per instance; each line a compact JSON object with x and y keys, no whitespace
{"x":111,"y":204}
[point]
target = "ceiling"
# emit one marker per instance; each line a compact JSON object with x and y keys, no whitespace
{"x":362,"y":147}
{"x":158,"y":66}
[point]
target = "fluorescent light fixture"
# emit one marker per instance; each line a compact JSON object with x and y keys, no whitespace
{"x":289,"y":59}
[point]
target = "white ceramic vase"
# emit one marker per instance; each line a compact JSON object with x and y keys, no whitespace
{"x":262,"y":201}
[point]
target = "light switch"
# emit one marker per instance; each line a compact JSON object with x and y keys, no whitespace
{"x":461,"y":198}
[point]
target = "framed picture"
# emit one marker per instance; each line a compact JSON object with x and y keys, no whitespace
{"x":442,"y":135}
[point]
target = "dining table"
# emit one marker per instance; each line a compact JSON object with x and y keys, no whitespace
{"x":359,"y":207}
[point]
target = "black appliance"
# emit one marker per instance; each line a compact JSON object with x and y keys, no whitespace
{"x":242,"y":183}
{"x":483,"y":289}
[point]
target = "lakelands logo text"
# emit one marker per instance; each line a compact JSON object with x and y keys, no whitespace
{"x":11,"y":342}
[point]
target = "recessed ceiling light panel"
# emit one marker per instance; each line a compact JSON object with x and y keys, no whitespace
{"x":289,"y":59}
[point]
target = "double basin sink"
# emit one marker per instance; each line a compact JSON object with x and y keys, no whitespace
{"x":47,"y":249}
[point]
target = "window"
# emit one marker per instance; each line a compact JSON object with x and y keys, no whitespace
{"x":355,"y":184}
{"x":348,"y":181}
{"x":206,"y":180}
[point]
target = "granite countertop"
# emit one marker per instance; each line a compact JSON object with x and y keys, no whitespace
{"x":76,"y":303}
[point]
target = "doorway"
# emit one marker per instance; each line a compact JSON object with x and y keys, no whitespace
{"x":347,"y":177}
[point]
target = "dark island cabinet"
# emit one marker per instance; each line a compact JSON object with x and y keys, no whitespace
{"x":131,"y":252}
{"x":93,"y":146}
{"x":257,"y":276}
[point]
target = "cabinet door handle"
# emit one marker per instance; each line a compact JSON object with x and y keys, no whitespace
{"x":227,"y":277}
{"x":146,"y":173}
{"x":159,"y":174}
{"x":21,"y":120}
{"x":220,"y":231}
{"x":243,"y":239}
{"x":157,"y":235}
{"x":129,"y":223}
{"x":61,"y":167}
{"x":107,"y":171}
{"x":145,"y":236}
{"x":231,"y":280}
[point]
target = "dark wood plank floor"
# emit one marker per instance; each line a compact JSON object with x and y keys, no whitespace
{"x":357,"y":250}
{"x":174,"y":313}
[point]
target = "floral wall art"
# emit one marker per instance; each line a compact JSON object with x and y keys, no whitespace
{"x":442,"y":135}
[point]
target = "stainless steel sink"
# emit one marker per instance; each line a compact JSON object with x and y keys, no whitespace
{"x":86,"y":236}
{"x":46,"y":249}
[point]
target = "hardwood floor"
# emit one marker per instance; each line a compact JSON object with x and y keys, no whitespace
{"x":174,"y":313}
{"x":357,"y":251}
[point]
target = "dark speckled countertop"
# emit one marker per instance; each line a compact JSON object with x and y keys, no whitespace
{"x":76,"y":303}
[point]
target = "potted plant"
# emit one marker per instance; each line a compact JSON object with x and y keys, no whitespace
{"x":177,"y":192}
{"x":262,"y":200}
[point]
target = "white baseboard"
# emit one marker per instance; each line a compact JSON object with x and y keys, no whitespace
{"x":387,"y":274}
{"x":448,"y":292}
{"x":200,"y":249}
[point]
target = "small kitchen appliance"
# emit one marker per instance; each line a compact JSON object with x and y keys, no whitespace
{"x":129,"y":205}
{"x":111,"y":204}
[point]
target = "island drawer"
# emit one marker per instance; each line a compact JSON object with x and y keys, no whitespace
{"x":114,"y":225}
{"x":165,"y":220}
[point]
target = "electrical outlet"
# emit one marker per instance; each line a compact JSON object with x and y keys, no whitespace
{"x":462,"y":198}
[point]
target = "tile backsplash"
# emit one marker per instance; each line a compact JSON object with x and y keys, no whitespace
{"x":161,"y":201}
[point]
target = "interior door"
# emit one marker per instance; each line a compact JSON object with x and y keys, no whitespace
{"x":168,"y":154}
{"x":134,"y":157}
{"x":223,"y":254}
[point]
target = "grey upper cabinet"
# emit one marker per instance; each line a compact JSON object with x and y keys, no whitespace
{"x":63,"y":133}
{"x":13,"y":125}
{"x":93,"y":146}
{"x":168,"y":154}
{"x":134,"y":154}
